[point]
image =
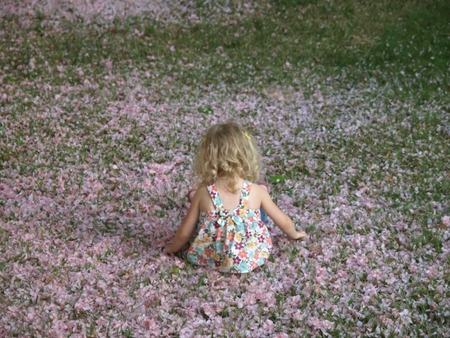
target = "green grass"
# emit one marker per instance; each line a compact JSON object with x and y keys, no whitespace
{"x":401,"y":44}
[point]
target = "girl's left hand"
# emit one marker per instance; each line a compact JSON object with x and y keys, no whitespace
{"x":300,"y":235}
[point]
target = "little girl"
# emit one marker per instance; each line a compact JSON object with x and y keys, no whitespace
{"x":225,"y":212}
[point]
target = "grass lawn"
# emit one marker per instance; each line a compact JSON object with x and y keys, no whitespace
{"x":103,"y":105}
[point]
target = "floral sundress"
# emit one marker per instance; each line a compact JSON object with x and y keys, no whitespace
{"x":235,"y":241}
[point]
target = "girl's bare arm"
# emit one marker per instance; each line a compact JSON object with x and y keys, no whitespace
{"x":282,"y":220}
{"x":187,"y":227}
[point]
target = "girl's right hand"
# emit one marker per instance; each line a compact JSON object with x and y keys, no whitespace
{"x":168,"y":249}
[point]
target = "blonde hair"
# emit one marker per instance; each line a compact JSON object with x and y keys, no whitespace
{"x":227,"y":152}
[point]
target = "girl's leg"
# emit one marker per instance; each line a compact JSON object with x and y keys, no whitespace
{"x":263,"y":216}
{"x":263,"y":213}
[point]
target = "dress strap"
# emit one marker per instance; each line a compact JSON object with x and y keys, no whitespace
{"x":214,"y":193}
{"x":245,"y":193}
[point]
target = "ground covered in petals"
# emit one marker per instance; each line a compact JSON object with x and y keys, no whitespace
{"x":104,"y":103}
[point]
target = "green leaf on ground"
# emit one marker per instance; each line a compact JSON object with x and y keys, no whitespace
{"x":277,"y":179}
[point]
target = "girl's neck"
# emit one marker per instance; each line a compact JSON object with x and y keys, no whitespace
{"x":221,"y":183}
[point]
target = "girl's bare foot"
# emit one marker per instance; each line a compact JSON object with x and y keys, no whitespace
{"x":191,"y":194}
{"x":264,"y":185}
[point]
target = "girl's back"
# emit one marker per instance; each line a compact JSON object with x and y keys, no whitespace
{"x":229,"y":199}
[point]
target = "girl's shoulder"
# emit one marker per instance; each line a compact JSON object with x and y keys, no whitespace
{"x":257,"y":194}
{"x":202,"y":192}
{"x":258,"y":189}
{"x":204,"y":199}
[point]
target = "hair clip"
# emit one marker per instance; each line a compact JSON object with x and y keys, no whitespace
{"x":204,"y":142}
{"x":247,"y":136}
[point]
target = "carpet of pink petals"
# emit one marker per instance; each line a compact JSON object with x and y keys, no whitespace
{"x":84,"y":215}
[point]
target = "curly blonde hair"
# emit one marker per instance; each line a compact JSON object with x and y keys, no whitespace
{"x":227,"y":152}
